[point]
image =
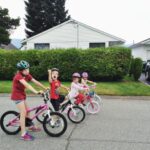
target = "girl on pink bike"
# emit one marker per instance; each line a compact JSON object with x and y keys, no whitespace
{"x":85,"y":81}
{"x":18,"y":95}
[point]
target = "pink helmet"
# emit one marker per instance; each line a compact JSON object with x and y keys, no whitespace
{"x":76,"y":74}
{"x":85,"y":75}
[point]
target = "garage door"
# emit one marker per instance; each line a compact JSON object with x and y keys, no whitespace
{"x":148,"y":55}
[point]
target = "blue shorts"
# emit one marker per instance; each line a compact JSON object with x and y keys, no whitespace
{"x":18,"y":101}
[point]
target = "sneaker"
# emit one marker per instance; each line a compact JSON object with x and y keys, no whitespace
{"x":34,"y":129}
{"x":27,"y":137}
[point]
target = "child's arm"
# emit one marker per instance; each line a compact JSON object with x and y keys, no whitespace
{"x":28,"y":86}
{"x":80,"y":87}
{"x":91,"y":82}
{"x":38,"y":84}
{"x":64,"y":87}
{"x":49,"y":76}
{"x":83,"y":82}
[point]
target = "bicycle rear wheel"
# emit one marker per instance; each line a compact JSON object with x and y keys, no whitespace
{"x":76,"y":114}
{"x":93,"y":107}
{"x":10,"y":122}
{"x":56,"y":125}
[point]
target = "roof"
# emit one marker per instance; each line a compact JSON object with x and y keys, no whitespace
{"x":9,"y":47}
{"x":79,"y":23}
{"x":144,"y":42}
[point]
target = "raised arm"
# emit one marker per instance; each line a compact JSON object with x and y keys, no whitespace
{"x":38,"y":84}
{"x":49,"y":76}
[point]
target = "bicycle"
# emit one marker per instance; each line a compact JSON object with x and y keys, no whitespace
{"x":74,"y":113}
{"x":54,"y":123}
{"x":90,"y":103}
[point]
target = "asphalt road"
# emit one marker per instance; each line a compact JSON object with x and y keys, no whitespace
{"x":122,"y":124}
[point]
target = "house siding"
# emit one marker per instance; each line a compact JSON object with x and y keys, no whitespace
{"x":70,"y":35}
{"x":140,"y":52}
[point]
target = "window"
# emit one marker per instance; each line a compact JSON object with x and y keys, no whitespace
{"x":94,"y":45}
{"x":42,"y":46}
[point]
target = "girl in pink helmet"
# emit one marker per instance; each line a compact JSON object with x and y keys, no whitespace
{"x":76,"y":87}
{"x":85,"y":81}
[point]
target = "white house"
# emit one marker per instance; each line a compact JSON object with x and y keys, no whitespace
{"x":71,"y":34}
{"x":141,"y":50}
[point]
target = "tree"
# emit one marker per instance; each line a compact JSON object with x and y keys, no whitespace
{"x":44,"y":14}
{"x":6,"y":25}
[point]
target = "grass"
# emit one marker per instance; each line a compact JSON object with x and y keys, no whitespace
{"x":127,"y":87}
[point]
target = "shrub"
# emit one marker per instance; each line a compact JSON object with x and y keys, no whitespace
{"x":101,"y":63}
{"x":137,"y":68}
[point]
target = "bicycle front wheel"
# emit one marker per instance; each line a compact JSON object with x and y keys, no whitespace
{"x":97,"y":98}
{"x":55,"y":125}
{"x":10,"y":122}
{"x":76,"y":114}
{"x":93,"y":107}
{"x":42,"y":115}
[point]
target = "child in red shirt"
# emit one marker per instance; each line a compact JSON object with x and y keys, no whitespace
{"x":55,"y":84}
{"x":18,"y":95}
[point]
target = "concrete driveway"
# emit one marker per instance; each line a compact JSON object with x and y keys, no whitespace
{"x":122,"y":124}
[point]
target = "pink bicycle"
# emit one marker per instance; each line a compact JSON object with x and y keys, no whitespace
{"x":90,"y":104}
{"x":54,"y":123}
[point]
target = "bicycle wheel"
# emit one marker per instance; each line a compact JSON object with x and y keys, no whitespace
{"x":41,"y":116}
{"x":97,"y":99}
{"x":10,"y":122}
{"x":56,"y":125}
{"x":93,"y":107}
{"x":76,"y":114}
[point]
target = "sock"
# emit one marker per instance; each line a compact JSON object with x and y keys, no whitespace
{"x":24,"y":133}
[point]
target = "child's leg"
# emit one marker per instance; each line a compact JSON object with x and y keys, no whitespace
{"x":27,"y":108}
{"x":22,"y":109}
{"x":33,"y":127}
{"x":79,"y":99}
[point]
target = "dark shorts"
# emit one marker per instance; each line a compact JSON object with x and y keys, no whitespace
{"x":56,"y":102}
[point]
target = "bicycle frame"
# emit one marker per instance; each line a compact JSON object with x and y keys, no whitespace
{"x":69,"y":105}
{"x":42,"y":109}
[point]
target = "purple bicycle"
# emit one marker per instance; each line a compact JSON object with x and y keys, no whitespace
{"x":54,"y":123}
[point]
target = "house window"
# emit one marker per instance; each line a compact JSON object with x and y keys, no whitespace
{"x":95,"y":45}
{"x":42,"y":46}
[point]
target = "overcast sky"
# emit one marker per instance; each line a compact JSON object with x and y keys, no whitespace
{"x":127,"y":19}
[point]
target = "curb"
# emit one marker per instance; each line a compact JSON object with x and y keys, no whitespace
{"x":102,"y":96}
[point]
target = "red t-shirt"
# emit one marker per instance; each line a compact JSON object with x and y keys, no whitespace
{"x":54,"y":89}
{"x":18,"y":89}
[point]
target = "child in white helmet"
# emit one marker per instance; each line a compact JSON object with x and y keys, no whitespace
{"x":76,"y":87}
{"x":85,"y":81}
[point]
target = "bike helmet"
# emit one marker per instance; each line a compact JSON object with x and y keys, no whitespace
{"x":85,"y":75}
{"x":22,"y":65}
{"x":76,"y":75}
{"x":55,"y":69}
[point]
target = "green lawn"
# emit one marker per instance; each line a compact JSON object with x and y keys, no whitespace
{"x":124,"y":88}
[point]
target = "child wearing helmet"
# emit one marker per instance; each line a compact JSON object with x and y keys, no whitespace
{"x":76,"y":87}
{"x":18,"y":95}
{"x":55,"y":84}
{"x":85,"y":81}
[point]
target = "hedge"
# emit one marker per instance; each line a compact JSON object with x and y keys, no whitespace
{"x":100,"y":63}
